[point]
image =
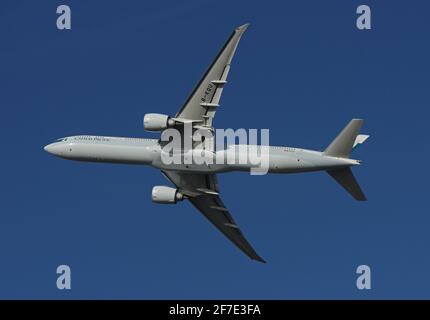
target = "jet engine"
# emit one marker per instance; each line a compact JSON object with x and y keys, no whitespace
{"x":166,"y":195}
{"x":157,"y":122}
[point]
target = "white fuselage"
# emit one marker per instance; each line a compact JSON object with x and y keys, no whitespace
{"x":149,"y":152}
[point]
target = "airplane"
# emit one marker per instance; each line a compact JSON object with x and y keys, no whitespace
{"x":198,"y":182}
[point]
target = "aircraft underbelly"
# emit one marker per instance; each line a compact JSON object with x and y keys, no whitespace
{"x":110,"y":153}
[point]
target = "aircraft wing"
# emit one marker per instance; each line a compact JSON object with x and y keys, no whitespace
{"x":202,"y":191}
{"x":202,"y":103}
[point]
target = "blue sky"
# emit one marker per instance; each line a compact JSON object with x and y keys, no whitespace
{"x":302,"y":69}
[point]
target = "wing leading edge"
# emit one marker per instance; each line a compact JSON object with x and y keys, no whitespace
{"x":203,"y":194}
{"x":203,"y":101}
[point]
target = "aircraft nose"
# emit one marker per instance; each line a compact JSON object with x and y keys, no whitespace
{"x":48,"y":148}
{"x":53,"y":148}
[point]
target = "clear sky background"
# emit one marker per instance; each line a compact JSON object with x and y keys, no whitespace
{"x":302,"y":69}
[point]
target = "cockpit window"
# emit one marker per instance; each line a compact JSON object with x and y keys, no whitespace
{"x":61,"y":139}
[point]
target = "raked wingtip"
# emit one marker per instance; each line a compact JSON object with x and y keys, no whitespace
{"x":243,"y":27}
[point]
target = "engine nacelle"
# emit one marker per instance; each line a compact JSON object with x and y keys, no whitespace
{"x":157,"y":122}
{"x":166,"y":195}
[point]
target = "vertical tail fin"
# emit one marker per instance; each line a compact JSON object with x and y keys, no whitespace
{"x":342,"y":145}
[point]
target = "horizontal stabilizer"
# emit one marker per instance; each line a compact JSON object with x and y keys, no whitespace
{"x":346,"y":179}
{"x":361,"y":138}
